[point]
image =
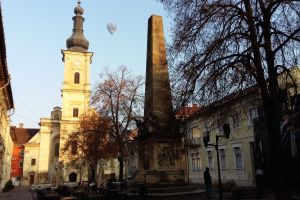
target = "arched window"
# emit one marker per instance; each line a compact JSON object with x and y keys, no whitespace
{"x":56,"y":149}
{"x":76,"y":78}
{"x":74,"y":147}
{"x":75,"y":112}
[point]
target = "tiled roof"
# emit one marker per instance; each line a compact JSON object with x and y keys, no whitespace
{"x":187,"y":111}
{"x":226,"y":100}
{"x":22,"y":135}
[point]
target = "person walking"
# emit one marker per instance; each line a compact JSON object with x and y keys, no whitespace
{"x":207,"y":181}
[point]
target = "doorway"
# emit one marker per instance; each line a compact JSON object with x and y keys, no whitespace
{"x":31,"y":179}
{"x":73,"y":177}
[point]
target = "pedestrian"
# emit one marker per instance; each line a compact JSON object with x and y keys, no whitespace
{"x":207,"y":181}
{"x":260,"y":180}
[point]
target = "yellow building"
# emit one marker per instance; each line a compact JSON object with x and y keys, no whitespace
{"x":236,"y":153}
{"x":52,"y":166}
{"x":6,"y":109}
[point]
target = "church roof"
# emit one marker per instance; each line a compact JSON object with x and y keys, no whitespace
{"x":22,"y":135}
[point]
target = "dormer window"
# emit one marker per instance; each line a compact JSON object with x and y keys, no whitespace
{"x":76,"y":78}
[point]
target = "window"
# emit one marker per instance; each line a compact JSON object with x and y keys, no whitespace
{"x":21,"y":152}
{"x":253,"y":114}
{"x":220,"y":123}
{"x":56,"y":149}
{"x":235,"y":120}
{"x":75,"y":112}
{"x":196,"y":161}
{"x":222,"y":158}
{"x":33,"y":161}
{"x":195,"y":133}
{"x":74,"y":147}
{"x":210,"y":159}
{"x":76,"y":78}
{"x":238,"y":157}
{"x":21,"y":164}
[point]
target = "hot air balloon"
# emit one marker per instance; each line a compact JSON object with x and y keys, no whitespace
{"x":112,"y":28}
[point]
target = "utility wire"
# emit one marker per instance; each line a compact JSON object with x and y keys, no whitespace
{"x":26,"y":118}
{"x":25,"y":104}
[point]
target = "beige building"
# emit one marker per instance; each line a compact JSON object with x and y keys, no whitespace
{"x":6,"y":110}
{"x":236,"y":153}
{"x":30,"y":163}
{"x":52,"y":166}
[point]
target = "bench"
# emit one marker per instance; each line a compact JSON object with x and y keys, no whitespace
{"x":246,"y":193}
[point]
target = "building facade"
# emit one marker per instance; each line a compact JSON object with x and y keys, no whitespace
{"x":31,"y":160}
{"x":6,"y":110}
{"x":19,"y":136}
{"x":236,"y":154}
{"x":52,"y":164}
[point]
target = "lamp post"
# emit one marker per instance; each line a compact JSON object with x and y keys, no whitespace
{"x":121,"y":165}
{"x":226,"y":130}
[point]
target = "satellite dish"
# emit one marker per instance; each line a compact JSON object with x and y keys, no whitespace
{"x":112,"y":28}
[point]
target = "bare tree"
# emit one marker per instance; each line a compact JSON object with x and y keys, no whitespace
{"x":119,"y":98}
{"x":224,"y":46}
{"x":91,"y":142}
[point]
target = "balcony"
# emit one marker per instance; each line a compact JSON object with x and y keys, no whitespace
{"x":193,"y":142}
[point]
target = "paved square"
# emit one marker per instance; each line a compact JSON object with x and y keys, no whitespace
{"x":19,"y":193}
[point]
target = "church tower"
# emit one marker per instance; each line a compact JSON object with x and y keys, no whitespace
{"x":76,"y":87}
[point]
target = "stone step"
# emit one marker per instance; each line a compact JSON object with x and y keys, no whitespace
{"x":173,"y":189}
{"x":168,"y":185}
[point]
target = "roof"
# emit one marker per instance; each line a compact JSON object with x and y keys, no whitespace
{"x":226,"y":100}
{"x":4,"y":76}
{"x":22,"y":135}
{"x":187,"y":111}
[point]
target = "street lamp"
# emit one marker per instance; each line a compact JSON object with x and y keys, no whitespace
{"x":226,"y":133}
{"x":121,"y":165}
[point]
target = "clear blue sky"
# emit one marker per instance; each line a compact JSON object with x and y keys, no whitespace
{"x":36,"y":31}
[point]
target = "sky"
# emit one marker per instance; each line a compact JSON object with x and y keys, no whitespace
{"x":36,"y":31}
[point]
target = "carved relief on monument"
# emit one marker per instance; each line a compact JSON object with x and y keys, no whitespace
{"x":166,"y":156}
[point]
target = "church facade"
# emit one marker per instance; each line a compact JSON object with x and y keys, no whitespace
{"x":52,"y":166}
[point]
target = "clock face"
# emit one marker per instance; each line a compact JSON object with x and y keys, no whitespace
{"x":77,"y":63}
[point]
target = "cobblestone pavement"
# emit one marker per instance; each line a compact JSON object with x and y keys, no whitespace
{"x":23,"y":193}
{"x":19,"y":193}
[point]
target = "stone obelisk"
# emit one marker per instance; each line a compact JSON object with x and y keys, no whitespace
{"x":158,"y":101}
{"x":159,"y":147}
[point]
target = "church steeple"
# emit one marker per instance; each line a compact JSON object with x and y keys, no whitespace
{"x":77,"y":42}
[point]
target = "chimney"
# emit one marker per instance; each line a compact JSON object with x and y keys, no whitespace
{"x":21,"y":125}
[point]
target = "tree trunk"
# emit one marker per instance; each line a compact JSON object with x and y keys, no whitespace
{"x":276,"y":161}
{"x":93,"y":174}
